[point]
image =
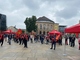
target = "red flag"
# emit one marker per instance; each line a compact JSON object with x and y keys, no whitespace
{"x":19,"y":31}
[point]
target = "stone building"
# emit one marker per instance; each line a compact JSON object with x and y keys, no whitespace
{"x":62,"y":28}
{"x":45,"y":25}
{"x":14,"y":29}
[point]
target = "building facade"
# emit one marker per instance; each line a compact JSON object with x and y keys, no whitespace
{"x":62,"y":28}
{"x":3,"y":26}
{"x":45,"y":25}
{"x":13,"y":28}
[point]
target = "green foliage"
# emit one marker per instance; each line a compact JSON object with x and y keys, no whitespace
{"x":23,"y":31}
{"x":31,"y":24}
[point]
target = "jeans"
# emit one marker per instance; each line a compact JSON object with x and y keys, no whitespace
{"x":9,"y":41}
{"x":53,"y":43}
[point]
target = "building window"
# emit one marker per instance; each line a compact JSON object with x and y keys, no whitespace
{"x":40,"y":26}
{"x":44,"y":32}
{"x":51,"y":27}
{"x":40,"y":32}
{"x":48,"y":26}
{"x":44,"y":26}
{"x":37,"y":25}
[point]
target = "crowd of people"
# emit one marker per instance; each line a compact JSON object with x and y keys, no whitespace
{"x":71,"y":39}
{"x":23,"y":38}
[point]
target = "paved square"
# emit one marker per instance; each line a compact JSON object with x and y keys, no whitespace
{"x":38,"y":51}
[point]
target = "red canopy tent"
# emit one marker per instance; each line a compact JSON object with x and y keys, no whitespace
{"x":54,"y":32}
{"x":57,"y":34}
{"x":9,"y":31}
{"x":73,"y":29}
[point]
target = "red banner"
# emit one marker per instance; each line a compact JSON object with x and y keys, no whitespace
{"x":19,"y":32}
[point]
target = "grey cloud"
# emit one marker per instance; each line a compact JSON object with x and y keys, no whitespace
{"x":18,"y":10}
{"x":49,"y":1}
{"x":32,"y":4}
{"x":71,"y":9}
{"x":67,"y":13}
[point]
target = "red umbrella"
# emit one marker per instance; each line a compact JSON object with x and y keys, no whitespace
{"x":54,"y":32}
{"x":8,"y":31}
{"x":57,"y":34}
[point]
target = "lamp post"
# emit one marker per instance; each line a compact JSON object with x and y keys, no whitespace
{"x":64,"y":49}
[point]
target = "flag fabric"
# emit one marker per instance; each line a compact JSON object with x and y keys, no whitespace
{"x":19,"y":32}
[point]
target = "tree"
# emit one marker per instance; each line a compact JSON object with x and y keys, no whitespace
{"x":23,"y":31}
{"x":31,"y":24}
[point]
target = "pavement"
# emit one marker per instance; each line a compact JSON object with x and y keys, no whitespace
{"x":38,"y":51}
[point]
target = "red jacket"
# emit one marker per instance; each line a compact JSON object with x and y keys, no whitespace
{"x":26,"y":36}
{"x":53,"y":40}
{"x":47,"y":37}
{"x":1,"y":37}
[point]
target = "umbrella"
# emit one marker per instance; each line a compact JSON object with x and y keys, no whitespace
{"x":54,"y":32}
{"x":8,"y":31}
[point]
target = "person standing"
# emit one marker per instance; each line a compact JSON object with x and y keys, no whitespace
{"x":1,"y":38}
{"x":60,"y":40}
{"x":66,"y":40}
{"x":73,"y":41}
{"x":31,"y":38}
{"x":5,"y":36}
{"x":25,"y":40}
{"x":70,"y":38}
{"x":42,"y":38}
{"x":9,"y":39}
{"x":47,"y":39}
{"x":53,"y":42}
{"x":20,"y":40}
{"x":79,"y":43}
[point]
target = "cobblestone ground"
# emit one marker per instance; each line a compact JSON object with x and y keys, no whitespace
{"x":37,"y":51}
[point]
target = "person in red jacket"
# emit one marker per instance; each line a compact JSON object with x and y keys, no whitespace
{"x":53,"y":41}
{"x":1,"y":38}
{"x":25,"y":40}
{"x":20,"y":39}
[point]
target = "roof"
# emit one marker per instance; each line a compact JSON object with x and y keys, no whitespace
{"x":43,"y":18}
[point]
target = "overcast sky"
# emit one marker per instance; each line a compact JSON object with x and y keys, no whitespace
{"x":64,"y":12}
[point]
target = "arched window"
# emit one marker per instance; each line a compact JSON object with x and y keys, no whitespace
{"x":44,"y":26}
{"x":47,"y":32}
{"x":51,"y":27}
{"x":40,"y":32}
{"x":40,"y":26}
{"x":44,"y":32}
